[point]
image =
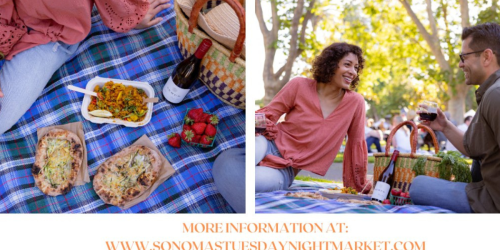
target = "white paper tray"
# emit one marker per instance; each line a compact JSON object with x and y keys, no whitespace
{"x":101,"y":81}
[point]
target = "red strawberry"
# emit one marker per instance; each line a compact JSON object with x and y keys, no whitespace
{"x":186,"y":127}
{"x":174,"y":140}
{"x":195,"y":114}
{"x":396,"y":191}
{"x":386,"y":201}
{"x":204,"y":117}
{"x":210,"y":130}
{"x":200,"y":118}
{"x":196,"y":138}
{"x":212,"y":119}
{"x":199,"y":128}
{"x":405,"y":194}
{"x":207,"y":140}
{"x":188,"y":121}
{"x":187,"y":135}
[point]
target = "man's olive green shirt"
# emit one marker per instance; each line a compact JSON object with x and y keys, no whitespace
{"x":482,"y":142}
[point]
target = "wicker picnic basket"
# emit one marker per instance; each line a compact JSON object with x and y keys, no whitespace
{"x":222,"y":71}
{"x":404,"y":173}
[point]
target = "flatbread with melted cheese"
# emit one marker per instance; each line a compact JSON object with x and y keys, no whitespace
{"x":127,"y":174}
{"x":58,"y":160}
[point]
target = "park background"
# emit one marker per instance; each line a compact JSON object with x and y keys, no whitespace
{"x":411,"y":47}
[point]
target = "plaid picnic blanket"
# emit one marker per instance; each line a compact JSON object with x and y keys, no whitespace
{"x":276,"y":202}
{"x":141,"y":55}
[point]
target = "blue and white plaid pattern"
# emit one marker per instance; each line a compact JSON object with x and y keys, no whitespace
{"x":277,"y":202}
{"x":140,"y":55}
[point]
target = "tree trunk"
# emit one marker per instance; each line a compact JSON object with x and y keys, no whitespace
{"x":272,"y":88}
{"x":456,"y":104}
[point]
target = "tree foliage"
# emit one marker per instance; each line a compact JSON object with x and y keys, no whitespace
{"x":411,"y":48}
{"x":289,"y":30}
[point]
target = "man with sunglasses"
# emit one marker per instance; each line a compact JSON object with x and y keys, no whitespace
{"x":479,"y":61}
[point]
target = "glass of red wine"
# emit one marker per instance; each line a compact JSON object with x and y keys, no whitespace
{"x":260,"y":122}
{"x":428,"y":111}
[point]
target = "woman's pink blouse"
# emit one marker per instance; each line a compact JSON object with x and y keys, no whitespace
{"x":308,"y":141}
{"x":68,"y":21}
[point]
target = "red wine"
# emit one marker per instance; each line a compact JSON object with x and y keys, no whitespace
{"x":260,"y":130}
{"x":185,"y":74}
{"x":385,"y":181}
{"x":260,"y":122}
{"x":428,"y":116}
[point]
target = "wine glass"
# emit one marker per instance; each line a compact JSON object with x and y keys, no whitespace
{"x":260,"y":122}
{"x":428,"y":111}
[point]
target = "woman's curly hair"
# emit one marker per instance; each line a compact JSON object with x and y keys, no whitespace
{"x":325,"y":65}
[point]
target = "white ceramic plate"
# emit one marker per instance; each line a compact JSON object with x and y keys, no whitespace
{"x":328,"y":194}
{"x":99,"y":120}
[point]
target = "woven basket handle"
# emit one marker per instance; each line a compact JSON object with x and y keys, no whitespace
{"x":433,"y":136}
{"x":240,"y":12}
{"x":413,"y":138}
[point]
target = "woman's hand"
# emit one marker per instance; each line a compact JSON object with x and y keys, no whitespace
{"x":439,"y":123}
{"x":155,"y":6}
{"x":1,"y":93}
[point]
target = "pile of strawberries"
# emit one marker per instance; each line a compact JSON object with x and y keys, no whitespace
{"x":398,"y":197}
{"x":199,"y":129}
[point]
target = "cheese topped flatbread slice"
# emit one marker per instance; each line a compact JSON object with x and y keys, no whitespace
{"x":57,"y":162}
{"x":127,"y":174}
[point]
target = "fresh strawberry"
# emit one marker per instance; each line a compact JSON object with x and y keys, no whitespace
{"x":396,"y":191}
{"x":196,"y":138}
{"x":199,"y":128}
{"x":200,"y":118}
{"x":212,"y":119}
{"x":207,"y":140}
{"x":204,"y":117}
{"x":174,"y":140}
{"x":187,"y":135}
{"x":195,"y":114}
{"x":186,"y":127}
{"x":405,"y":194}
{"x":386,"y":201}
{"x":210,"y":130}
{"x":188,"y":121}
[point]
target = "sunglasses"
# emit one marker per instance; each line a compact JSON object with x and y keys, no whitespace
{"x":462,"y":55}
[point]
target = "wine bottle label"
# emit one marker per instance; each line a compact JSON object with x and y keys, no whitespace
{"x":203,"y":48}
{"x":380,"y":191}
{"x":173,"y":93}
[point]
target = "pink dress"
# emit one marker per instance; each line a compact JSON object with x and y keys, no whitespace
{"x":67,"y":21}
{"x":308,"y":141}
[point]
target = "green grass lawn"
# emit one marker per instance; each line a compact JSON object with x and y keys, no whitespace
{"x":309,"y":178}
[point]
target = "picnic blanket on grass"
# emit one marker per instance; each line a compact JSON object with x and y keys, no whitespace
{"x":277,"y":202}
{"x":141,"y":55}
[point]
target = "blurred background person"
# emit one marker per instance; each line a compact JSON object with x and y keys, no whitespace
{"x":373,"y":136}
{"x":462,"y":127}
{"x":401,"y":139}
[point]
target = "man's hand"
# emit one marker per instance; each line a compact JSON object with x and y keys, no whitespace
{"x":439,"y":124}
{"x":155,"y":6}
{"x":1,"y":93}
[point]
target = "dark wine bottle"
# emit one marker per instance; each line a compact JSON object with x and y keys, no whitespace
{"x":185,"y":74}
{"x":385,"y":181}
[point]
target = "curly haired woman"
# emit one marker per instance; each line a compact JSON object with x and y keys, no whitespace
{"x":320,"y":112}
